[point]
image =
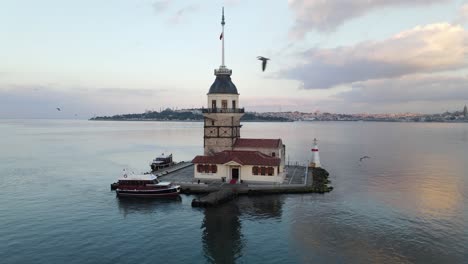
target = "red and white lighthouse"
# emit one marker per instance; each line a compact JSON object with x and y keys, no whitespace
{"x":315,"y":161}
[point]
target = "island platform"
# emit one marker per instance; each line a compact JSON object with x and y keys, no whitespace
{"x":299,"y":179}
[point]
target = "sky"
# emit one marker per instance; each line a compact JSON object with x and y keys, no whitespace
{"x":129,"y":56}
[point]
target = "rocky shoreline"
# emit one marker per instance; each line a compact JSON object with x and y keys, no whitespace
{"x":320,"y":181}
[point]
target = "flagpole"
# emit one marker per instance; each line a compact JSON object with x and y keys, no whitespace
{"x":222,"y":34}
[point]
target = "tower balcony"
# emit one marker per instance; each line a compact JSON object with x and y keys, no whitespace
{"x":222,"y":71}
{"x":222,"y":110}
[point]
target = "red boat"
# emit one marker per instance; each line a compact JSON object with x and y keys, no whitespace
{"x":145,"y":185}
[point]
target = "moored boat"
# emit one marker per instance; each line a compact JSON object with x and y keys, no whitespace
{"x":145,"y":185}
{"x":161,"y":161}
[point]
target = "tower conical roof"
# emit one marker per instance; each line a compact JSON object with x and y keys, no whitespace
{"x":223,"y":83}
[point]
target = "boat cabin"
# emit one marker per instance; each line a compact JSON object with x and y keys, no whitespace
{"x":145,"y":181}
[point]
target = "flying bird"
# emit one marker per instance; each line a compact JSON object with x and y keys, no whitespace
{"x":365,"y":157}
{"x":58,"y":109}
{"x":264,"y":61}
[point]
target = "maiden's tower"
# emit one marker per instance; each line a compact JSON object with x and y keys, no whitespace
{"x":227,"y":156}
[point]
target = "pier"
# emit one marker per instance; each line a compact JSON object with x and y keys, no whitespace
{"x":224,"y":194}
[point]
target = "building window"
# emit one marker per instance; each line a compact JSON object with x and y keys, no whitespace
{"x":207,"y":168}
{"x":233,"y":104}
{"x":213,"y":104}
{"x":271,"y":171}
{"x":273,"y":154}
{"x":224,"y":104}
{"x":212,"y":122}
{"x":255,"y":170}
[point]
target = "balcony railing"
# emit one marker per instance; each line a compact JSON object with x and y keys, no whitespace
{"x":222,"y":110}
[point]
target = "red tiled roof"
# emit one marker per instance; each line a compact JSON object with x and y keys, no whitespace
{"x":241,"y":157}
{"x":257,"y":143}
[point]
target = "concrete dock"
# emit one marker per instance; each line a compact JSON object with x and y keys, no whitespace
{"x":214,"y":198}
{"x":294,"y":182}
{"x":299,"y":179}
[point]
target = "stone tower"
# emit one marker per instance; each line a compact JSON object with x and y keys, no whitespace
{"x":222,"y":115}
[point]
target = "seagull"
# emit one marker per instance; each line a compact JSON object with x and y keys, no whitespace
{"x":365,"y":157}
{"x":264,"y":61}
{"x":58,"y":109}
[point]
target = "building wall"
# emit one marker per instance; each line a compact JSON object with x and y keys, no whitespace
{"x":220,"y":97}
{"x":280,"y":153}
{"x":245,"y":174}
{"x":220,"y":131}
{"x":222,"y":172}
{"x":266,"y":151}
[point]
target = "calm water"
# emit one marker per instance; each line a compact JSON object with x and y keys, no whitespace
{"x":407,"y":204}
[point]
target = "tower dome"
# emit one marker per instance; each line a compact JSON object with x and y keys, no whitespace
{"x":223,"y":83}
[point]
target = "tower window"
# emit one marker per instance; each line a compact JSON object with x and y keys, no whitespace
{"x":213,"y":104}
{"x":233,"y":104}
{"x":224,"y":104}
{"x":212,"y":122}
{"x":273,"y":154}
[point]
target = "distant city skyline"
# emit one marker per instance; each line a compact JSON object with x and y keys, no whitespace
{"x":113,"y":57}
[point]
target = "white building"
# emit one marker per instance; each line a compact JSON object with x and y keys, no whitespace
{"x":227,"y":156}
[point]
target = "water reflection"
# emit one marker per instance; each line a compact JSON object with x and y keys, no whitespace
{"x":222,"y":236}
{"x":128,"y":205}
{"x":426,"y":187}
{"x":262,"y":207}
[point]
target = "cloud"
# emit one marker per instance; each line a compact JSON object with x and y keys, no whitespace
{"x":430,"y":48}
{"x":161,"y":6}
{"x":178,"y":17}
{"x":327,"y":15}
{"x":462,"y":15}
{"x":428,"y":88}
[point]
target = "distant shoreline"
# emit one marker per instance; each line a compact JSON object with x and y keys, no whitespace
{"x":289,"y":121}
{"x":176,"y":120}
{"x":196,"y":115}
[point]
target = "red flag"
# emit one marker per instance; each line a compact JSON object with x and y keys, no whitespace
{"x":221,"y":36}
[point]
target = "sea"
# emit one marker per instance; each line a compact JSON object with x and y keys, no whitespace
{"x":407,"y":203}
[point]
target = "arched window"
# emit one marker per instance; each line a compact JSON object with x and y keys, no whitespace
{"x":263,"y":170}
{"x":206,"y":168}
{"x":214,"y":168}
{"x":200,"y":168}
